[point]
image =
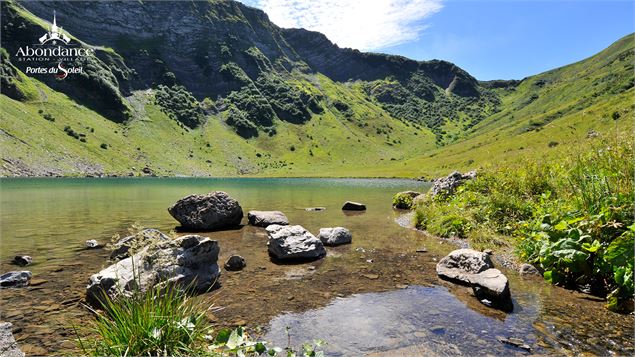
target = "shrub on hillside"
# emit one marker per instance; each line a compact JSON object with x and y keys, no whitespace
{"x":179,"y":104}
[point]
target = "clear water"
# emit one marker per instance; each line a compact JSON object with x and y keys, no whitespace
{"x":354,"y":298}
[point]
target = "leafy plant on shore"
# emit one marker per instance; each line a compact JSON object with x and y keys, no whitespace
{"x":402,"y":200}
{"x":572,"y":218}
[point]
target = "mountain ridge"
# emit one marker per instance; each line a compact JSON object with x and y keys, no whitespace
{"x":280,"y":102}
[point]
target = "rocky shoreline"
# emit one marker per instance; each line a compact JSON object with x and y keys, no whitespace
{"x":259,"y":285}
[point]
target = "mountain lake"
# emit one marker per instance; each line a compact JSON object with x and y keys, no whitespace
{"x":378,"y":296}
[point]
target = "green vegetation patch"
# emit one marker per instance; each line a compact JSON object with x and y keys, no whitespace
{"x":572,"y":218}
{"x":179,"y":104}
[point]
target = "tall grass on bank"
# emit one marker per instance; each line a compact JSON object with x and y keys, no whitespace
{"x":157,"y":322}
{"x":572,"y":218}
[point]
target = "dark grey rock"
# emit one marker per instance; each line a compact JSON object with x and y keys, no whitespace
{"x":528,"y":269}
{"x":148,"y":236}
{"x":353,"y":206}
{"x":188,"y":262}
{"x":15,"y":279}
{"x":235,"y":263}
{"x":335,"y":236}
{"x":8,"y":346}
{"x":293,"y":243}
{"x":216,"y":210}
{"x":22,"y":260}
{"x":266,"y":218}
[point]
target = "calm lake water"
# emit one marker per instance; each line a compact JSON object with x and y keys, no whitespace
{"x":377,"y":296}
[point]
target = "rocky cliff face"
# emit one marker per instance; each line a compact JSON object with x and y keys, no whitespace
{"x":232,"y":53}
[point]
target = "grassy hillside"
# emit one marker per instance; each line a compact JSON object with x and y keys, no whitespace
{"x":544,"y":116}
{"x":51,"y":134}
{"x":298,"y":122}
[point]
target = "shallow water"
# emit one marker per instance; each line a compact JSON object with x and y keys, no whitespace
{"x":354,"y":298}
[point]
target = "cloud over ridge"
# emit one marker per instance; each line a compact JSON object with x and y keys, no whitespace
{"x":360,"y":24}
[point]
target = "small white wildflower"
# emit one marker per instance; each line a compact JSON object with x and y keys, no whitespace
{"x":156,"y":333}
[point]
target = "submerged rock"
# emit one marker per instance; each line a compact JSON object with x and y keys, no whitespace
{"x":235,"y":263}
{"x":266,"y":218}
{"x":188,"y":262}
{"x":22,"y":260}
{"x":335,"y":236}
{"x":353,"y":206}
{"x":315,"y":209}
{"x":293,"y":243}
{"x":216,"y":210}
{"x":148,"y":236}
{"x":475,"y":269}
{"x":8,"y":346}
{"x":447,"y":185}
{"x":516,"y":342}
{"x":91,"y":244}
{"x":15,"y":279}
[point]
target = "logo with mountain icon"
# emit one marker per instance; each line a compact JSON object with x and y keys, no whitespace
{"x":54,"y":34}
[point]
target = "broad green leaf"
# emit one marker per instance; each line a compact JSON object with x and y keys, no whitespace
{"x":223,"y":335}
{"x":548,"y":275}
{"x":561,"y":226}
{"x":260,"y":348}
{"x":620,"y":251}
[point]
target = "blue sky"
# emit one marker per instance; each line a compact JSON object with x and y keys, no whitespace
{"x":490,"y":39}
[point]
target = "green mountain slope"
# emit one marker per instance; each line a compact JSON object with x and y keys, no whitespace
{"x":544,"y":115}
{"x":214,"y":88}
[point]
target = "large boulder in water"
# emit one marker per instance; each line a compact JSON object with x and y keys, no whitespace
{"x":335,"y":236}
{"x":216,"y":210}
{"x":293,"y":243}
{"x":475,"y":269}
{"x":460,"y":264}
{"x":188,"y":262}
{"x":267,"y":218}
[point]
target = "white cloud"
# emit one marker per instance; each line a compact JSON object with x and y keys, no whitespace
{"x":361,"y":24}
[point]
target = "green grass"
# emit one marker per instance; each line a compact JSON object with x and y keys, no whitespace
{"x":571,"y":217}
{"x":154,"y":323}
{"x":573,"y":101}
